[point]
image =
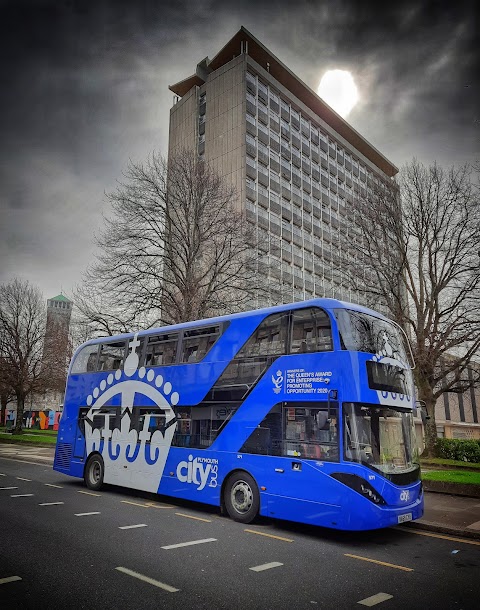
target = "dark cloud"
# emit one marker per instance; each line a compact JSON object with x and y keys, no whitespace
{"x":85,"y":88}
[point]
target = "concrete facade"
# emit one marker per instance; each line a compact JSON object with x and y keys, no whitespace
{"x":297,"y":168}
{"x":295,"y":164}
{"x":457,"y":414}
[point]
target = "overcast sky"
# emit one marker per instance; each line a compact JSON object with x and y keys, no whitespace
{"x":84,"y":88}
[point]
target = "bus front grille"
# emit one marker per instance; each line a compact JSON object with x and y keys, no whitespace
{"x":63,"y":455}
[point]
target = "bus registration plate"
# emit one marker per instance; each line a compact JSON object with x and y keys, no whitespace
{"x":405,"y":517}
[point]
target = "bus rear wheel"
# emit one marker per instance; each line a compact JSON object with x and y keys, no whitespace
{"x":241,"y":497}
{"x":94,"y":471}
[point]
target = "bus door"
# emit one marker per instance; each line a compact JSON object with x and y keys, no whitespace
{"x":297,"y":485}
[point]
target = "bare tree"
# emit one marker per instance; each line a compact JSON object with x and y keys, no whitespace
{"x":22,"y":329}
{"x":6,"y":392}
{"x":175,"y":248}
{"x":419,"y":248}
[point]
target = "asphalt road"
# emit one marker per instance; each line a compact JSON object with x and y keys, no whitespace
{"x":63,"y":546}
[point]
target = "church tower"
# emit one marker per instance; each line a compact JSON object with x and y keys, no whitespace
{"x":56,"y":349}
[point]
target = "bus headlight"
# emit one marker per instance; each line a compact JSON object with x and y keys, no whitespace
{"x":359,"y":485}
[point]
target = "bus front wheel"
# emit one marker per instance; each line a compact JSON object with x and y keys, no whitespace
{"x":241,"y":497}
{"x":94,"y":471}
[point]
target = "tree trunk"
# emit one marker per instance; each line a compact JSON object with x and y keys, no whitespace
{"x":3,"y":410}
{"x":430,"y":432}
{"x":20,"y":408}
{"x":425,"y":396}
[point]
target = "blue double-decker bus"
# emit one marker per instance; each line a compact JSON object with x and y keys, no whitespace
{"x":301,"y":412}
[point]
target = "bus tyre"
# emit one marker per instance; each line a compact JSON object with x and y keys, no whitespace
{"x":241,"y":497}
{"x":94,"y":471}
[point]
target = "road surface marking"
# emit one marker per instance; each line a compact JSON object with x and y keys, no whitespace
{"x":375,"y":599}
{"x":266,"y":566}
{"x":3,"y":581}
{"x":50,"y":503}
{"x":86,"y":514}
{"x":134,"y":503}
{"x":381,"y":563}
{"x":192,"y":517}
{"x":2,"y":475}
{"x":177,"y":546}
{"x":152,"y":505}
{"x":20,"y":495}
{"x":412,"y":531}
{"x":130,"y":527}
{"x":155,"y":583}
{"x":21,"y":479}
{"x":52,"y":485}
{"x":8,"y":487}
{"x":269,"y":535}
{"x":89,"y":493}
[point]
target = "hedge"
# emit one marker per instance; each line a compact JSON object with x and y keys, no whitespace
{"x":458,"y":449}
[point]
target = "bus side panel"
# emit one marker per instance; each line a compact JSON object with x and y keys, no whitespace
{"x":195,"y":474}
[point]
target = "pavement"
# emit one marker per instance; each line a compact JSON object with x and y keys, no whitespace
{"x":444,"y":513}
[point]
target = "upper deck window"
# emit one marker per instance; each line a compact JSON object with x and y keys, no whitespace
{"x":86,"y":360}
{"x":161,"y":349}
{"x":311,"y":331}
{"x":100,"y":357}
{"x":269,"y":338}
{"x":361,"y":332}
{"x":111,"y":356}
{"x":198,"y":341}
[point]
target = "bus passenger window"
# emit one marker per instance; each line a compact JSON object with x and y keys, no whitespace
{"x":154,"y":415}
{"x":86,"y":360}
{"x":107,"y":414}
{"x":161,"y":350}
{"x":111,"y":356}
{"x":311,"y":331}
{"x":183,"y":431}
{"x":266,"y":438}
{"x":309,"y":433}
{"x":197,"y":342}
{"x":269,"y":338}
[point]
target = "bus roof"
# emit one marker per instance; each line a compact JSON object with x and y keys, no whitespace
{"x":328,"y":304}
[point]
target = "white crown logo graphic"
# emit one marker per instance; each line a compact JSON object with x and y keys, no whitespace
{"x":391,"y":359}
{"x":125,"y":450}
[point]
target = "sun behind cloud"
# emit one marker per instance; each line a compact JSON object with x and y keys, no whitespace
{"x":338,"y":89}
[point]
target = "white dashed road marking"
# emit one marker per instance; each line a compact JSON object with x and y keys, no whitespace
{"x":375,"y":599}
{"x":86,"y":514}
{"x":50,"y":503}
{"x":52,"y":485}
{"x":131,"y":527}
{"x":20,"y":495}
{"x":266,"y":566}
{"x":177,"y":546}
{"x":21,"y":479}
{"x":3,"y":581}
{"x":8,"y":487}
{"x":151,"y":581}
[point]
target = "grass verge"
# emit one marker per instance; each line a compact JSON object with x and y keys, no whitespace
{"x":28,"y":439}
{"x":428,"y":462}
{"x":452,"y":476}
{"x":35,"y":431}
